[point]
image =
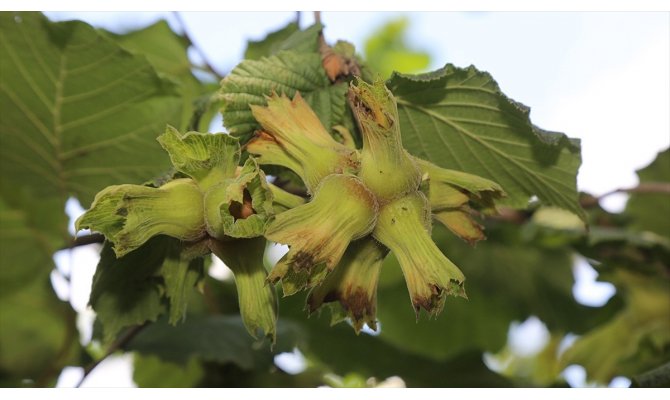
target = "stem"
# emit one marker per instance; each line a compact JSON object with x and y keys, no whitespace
{"x":521,"y":216}
{"x":656,"y":378}
{"x":208,"y":66}
{"x":118,"y":344}
{"x":645,"y":187}
{"x":323,"y":46}
{"x":85,"y":240}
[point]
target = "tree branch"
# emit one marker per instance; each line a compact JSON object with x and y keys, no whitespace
{"x":85,"y":240}
{"x":208,"y":66}
{"x":116,"y":345}
{"x":656,"y":378}
{"x":644,"y":187}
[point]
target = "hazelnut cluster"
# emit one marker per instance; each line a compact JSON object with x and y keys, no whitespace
{"x":362,"y":204}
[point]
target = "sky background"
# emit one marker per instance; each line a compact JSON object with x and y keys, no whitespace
{"x":602,"y":77}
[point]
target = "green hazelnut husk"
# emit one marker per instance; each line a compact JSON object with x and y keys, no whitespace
{"x":319,"y":232}
{"x":352,"y":287}
{"x":239,"y":207}
{"x":129,"y":215}
{"x":386,"y":167}
{"x":404,"y":226}
{"x":257,"y":300}
{"x":208,"y":158}
{"x":293,"y":137}
{"x":452,"y":196}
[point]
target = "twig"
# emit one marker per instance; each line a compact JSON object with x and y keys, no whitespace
{"x":656,"y":378}
{"x":85,"y":239}
{"x":645,"y":187}
{"x":208,"y":66}
{"x":521,"y":216}
{"x":118,"y":344}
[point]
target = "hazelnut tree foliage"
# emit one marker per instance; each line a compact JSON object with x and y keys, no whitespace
{"x":379,"y":185}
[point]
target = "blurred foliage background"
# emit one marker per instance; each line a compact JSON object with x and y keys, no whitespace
{"x":133,"y":84}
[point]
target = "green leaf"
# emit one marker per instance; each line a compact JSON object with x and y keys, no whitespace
{"x":269,"y":45}
{"x":633,"y":341}
{"x":181,"y":275}
{"x":339,"y":350}
{"x":151,"y":372}
{"x":126,"y":291}
{"x":130,"y":290}
{"x":286,"y":72}
{"x":536,"y":370}
{"x":507,"y":280}
{"x":217,"y":338}
{"x":289,"y":37}
{"x":37,"y":332}
{"x":386,"y":50}
{"x":163,"y":48}
{"x":79,"y":112}
{"x":168,"y":54}
{"x":464,"y":325}
{"x":27,"y":244}
{"x":459,"y":119}
{"x":647,"y":209}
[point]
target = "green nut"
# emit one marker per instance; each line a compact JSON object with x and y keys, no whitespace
{"x":386,"y":167}
{"x":404,"y":227}
{"x":319,"y":232}
{"x":353,"y":284}
{"x":129,"y":215}
{"x":294,"y":137}
{"x":239,"y":207}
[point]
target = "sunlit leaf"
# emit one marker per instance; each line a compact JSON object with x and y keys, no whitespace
{"x":167,"y":53}
{"x":387,"y":50}
{"x":79,"y":112}
{"x":459,"y":119}
{"x":286,"y":72}
{"x":289,"y":37}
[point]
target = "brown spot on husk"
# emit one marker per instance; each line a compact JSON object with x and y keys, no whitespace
{"x":303,"y":261}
